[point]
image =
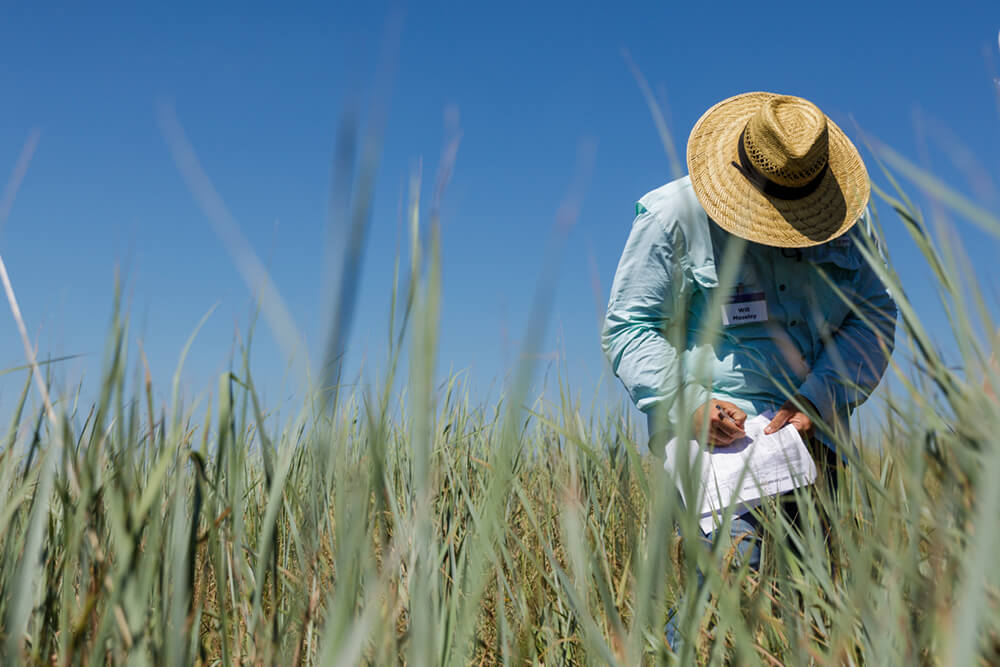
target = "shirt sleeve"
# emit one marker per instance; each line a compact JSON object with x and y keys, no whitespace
{"x":855,"y":357}
{"x":648,"y":285}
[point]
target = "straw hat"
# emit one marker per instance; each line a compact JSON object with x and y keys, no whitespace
{"x":773,"y":169}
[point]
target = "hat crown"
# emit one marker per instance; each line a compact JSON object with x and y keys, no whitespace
{"x":787,"y":140}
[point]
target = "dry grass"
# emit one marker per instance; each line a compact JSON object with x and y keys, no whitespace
{"x":405,"y":525}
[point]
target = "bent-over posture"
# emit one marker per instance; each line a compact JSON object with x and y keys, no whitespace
{"x":804,"y":326}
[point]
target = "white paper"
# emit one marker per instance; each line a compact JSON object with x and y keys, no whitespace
{"x":755,"y":467}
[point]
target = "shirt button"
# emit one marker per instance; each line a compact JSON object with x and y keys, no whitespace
{"x":781,"y":288}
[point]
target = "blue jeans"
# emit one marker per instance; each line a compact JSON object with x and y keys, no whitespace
{"x":745,"y":532}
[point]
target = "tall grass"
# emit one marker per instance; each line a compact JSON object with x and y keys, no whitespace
{"x":405,"y":524}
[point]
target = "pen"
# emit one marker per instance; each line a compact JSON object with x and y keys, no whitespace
{"x":725,"y":415}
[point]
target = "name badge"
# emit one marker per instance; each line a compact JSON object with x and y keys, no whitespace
{"x":744,"y":309}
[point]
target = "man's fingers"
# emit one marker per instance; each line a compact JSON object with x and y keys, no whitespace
{"x":801,"y":422}
{"x":737,"y":415}
{"x":719,"y":439}
{"x":728,"y":430}
{"x":729,"y":427}
{"x":779,"y":421}
{"x":724,"y":430}
{"x":726,"y":421}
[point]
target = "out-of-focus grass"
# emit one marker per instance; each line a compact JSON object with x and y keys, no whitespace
{"x":409,"y":525}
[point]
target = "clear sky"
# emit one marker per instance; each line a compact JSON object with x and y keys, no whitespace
{"x":259,"y":91}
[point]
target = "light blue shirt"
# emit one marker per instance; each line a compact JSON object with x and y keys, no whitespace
{"x":666,"y":341}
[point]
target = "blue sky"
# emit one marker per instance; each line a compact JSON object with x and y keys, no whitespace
{"x":259,"y":91}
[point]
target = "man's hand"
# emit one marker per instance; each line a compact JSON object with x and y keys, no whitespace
{"x":725,"y":422}
{"x":789,"y":414}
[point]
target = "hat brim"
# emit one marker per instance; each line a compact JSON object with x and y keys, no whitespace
{"x":740,"y":208}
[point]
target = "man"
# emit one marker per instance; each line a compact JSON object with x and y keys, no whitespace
{"x":743,"y":288}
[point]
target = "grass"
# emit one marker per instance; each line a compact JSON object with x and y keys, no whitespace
{"x":406,"y":525}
